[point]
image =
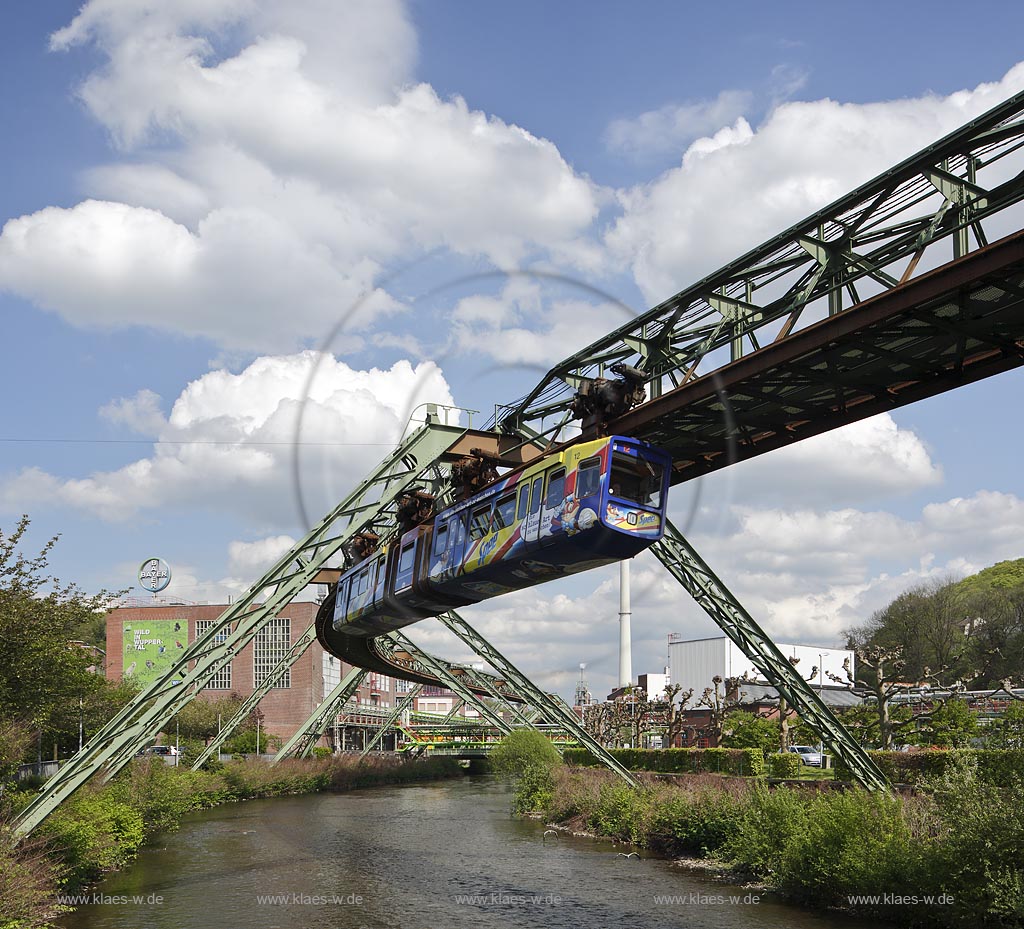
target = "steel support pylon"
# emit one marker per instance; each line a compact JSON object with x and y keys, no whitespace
{"x":451,"y":681}
{"x":117,"y":742}
{"x":691,"y":571}
{"x":399,"y":709}
{"x":555,"y":709}
{"x":308,"y":734}
{"x":294,"y":653}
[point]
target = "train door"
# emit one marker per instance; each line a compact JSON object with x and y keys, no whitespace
{"x":531,"y":527}
{"x":552,"y":506}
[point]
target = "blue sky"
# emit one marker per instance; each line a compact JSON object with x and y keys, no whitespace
{"x":195,"y":195}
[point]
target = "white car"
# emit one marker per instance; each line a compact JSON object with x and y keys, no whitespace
{"x":808,"y":755}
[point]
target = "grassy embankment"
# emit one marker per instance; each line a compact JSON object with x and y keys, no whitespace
{"x":960,"y":834}
{"x":102,"y":827}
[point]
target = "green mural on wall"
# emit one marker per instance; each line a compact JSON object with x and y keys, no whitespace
{"x":151,"y":648}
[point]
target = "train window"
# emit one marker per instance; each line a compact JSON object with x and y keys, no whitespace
{"x":535,"y":496}
{"x":556,"y":489}
{"x":504,"y":512}
{"x":440,"y":539}
{"x":479,"y":521}
{"x":588,"y":479}
{"x":636,"y":479}
{"x":524,"y":501}
{"x":406,"y":559}
{"x":361,"y":581}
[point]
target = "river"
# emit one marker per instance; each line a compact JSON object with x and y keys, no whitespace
{"x":437,"y":856}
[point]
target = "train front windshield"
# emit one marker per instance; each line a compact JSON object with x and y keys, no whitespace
{"x":636,"y":479}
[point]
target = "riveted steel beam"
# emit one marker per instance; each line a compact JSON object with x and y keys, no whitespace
{"x":694,"y":575}
{"x":309,"y":733}
{"x":873,"y":237}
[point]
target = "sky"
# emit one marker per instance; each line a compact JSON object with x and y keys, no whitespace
{"x":198,"y":198}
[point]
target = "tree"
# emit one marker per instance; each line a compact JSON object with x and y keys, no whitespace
{"x":1008,"y":730}
{"x":951,"y":724}
{"x":721,"y":698}
{"x":748,"y":730}
{"x":45,"y":684}
{"x":880,"y":671}
{"x":674,"y":720}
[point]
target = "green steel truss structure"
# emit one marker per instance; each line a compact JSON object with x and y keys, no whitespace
{"x":308,"y":734}
{"x":693,"y":574}
{"x":922,"y":212}
{"x":294,"y":653}
{"x":370,"y":503}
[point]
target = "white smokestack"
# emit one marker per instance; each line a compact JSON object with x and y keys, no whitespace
{"x":625,"y":647}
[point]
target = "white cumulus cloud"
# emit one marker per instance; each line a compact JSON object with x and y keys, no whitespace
{"x":227,"y":444}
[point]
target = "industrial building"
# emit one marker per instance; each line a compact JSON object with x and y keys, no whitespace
{"x":696,"y":662}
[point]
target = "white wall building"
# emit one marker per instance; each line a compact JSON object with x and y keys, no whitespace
{"x":653,"y":685}
{"x":694,"y":662}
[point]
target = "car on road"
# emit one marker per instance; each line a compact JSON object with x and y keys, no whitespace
{"x":808,"y":755}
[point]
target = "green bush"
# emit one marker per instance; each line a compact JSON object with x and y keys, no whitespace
{"x":785,"y":765}
{"x":745,"y":762}
{"x":92,"y":833}
{"x":521,"y":750}
{"x":699,"y":821}
{"x":851,"y":842}
{"x":769,"y":823}
{"x":999,"y":767}
{"x":977,"y":857}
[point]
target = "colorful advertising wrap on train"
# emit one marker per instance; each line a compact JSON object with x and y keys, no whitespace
{"x":632,"y":520}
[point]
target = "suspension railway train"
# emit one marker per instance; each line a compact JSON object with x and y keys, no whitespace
{"x":588,"y":505}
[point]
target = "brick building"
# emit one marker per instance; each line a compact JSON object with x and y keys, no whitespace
{"x":144,"y":641}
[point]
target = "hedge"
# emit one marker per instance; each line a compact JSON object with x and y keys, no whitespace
{"x":999,"y":767}
{"x":742,"y":761}
{"x":786,"y":765}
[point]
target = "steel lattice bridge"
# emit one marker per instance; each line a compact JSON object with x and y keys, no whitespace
{"x":908,"y":286}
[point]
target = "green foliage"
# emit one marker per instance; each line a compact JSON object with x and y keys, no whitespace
{"x":534,"y":787}
{"x":1008,"y":730}
{"x":951,"y":725}
{"x":785,"y":765}
{"x":94,"y":832}
{"x":961,"y":835}
{"x":747,"y":730}
{"x":769,"y":823}
{"x":42,"y":677}
{"x":982,"y":834}
{"x":521,"y":750}
{"x":697,"y":820}
{"x":851,"y":842}
{"x":999,"y":767}
{"x":745,"y":762}
{"x":321,"y":751}
{"x":244,"y":743}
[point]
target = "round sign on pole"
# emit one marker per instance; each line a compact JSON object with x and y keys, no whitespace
{"x":154,"y":574}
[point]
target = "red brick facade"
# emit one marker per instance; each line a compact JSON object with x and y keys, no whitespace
{"x":284,"y":709}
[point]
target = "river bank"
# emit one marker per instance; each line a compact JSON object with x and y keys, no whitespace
{"x":948,"y":857}
{"x":103,"y":827}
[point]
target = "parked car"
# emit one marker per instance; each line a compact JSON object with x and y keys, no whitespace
{"x":808,"y":755}
{"x":157,"y":750}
